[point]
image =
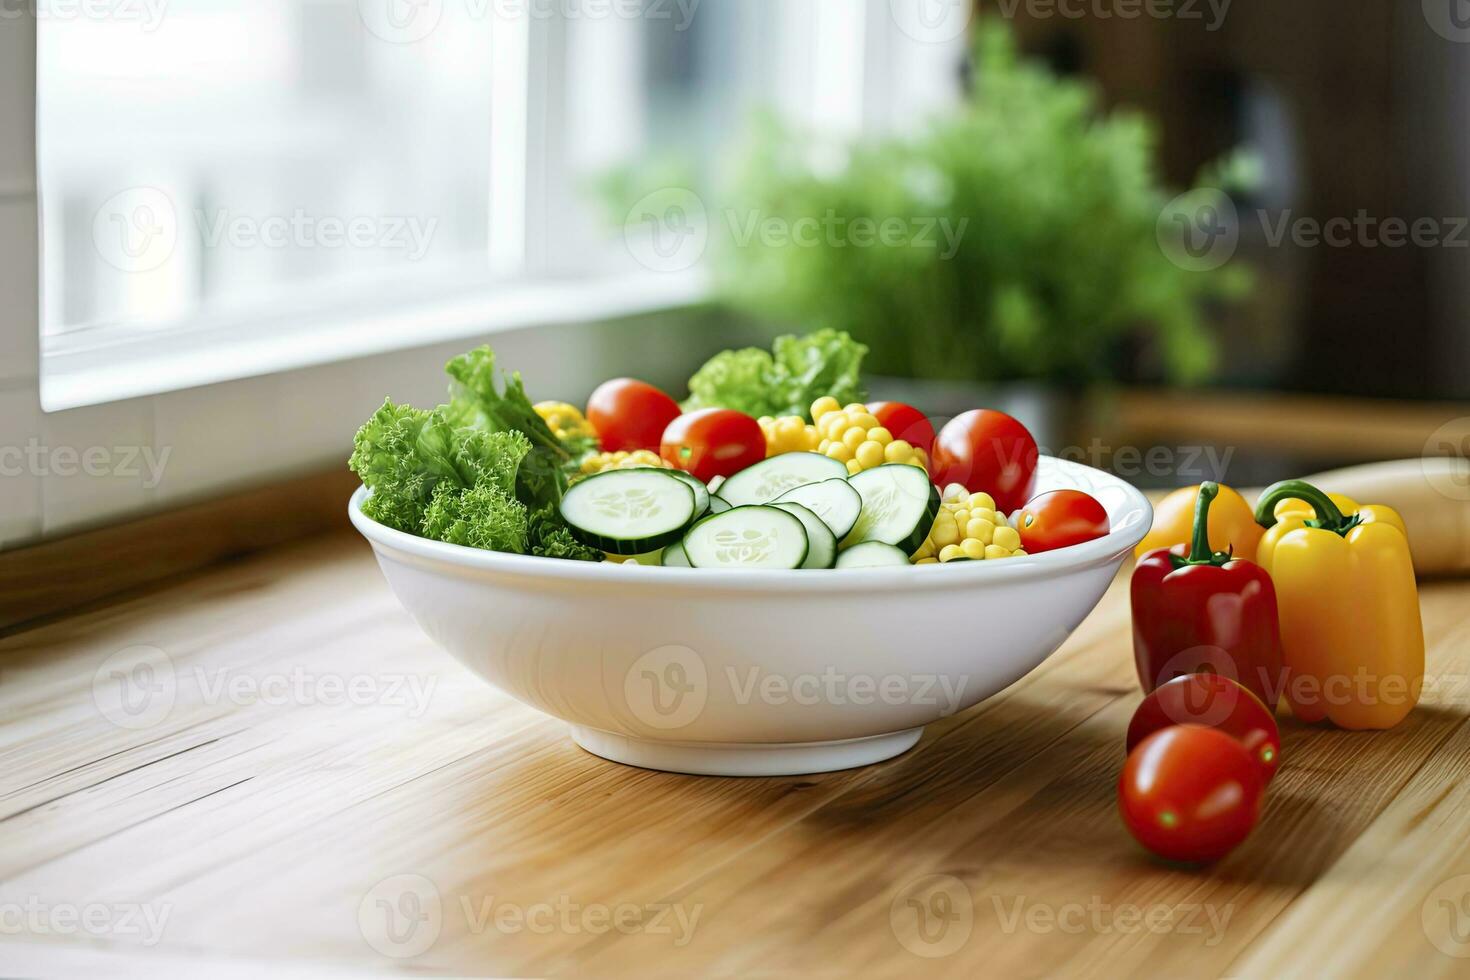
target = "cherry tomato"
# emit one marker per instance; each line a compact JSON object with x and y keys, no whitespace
{"x":987,"y":451}
{"x":1061,"y":519}
{"x":1190,"y":793}
{"x":630,"y":415}
{"x":1215,"y":702}
{"x":713,"y":442}
{"x":905,"y":422}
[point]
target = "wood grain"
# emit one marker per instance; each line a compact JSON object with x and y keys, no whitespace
{"x":55,"y":576}
{"x":263,"y":822}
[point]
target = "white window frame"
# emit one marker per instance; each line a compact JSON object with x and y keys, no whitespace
{"x":222,"y":416}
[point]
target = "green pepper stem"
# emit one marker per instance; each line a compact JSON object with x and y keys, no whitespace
{"x":1328,"y":514}
{"x":1199,"y":546}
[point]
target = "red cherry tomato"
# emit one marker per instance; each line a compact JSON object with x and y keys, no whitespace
{"x":1061,"y":519}
{"x":1190,"y":793}
{"x":1214,"y":702}
{"x":990,"y":452}
{"x":713,"y":442}
{"x":905,"y":422}
{"x":630,"y":415}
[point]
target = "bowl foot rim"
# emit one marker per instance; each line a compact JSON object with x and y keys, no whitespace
{"x":745,"y":758}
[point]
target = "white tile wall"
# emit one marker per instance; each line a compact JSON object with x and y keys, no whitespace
{"x":212,"y":449}
{"x":115,"y":481}
{"x":20,"y":484}
{"x":17,"y":103}
{"x":20,"y":310}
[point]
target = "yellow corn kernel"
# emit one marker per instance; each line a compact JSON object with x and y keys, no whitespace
{"x":834,"y":425}
{"x":973,"y":549}
{"x":1007,"y":538}
{"x":824,"y":406}
{"x":980,"y":530}
{"x":838,"y":451}
{"x":869,"y":455}
{"x":855,"y":408}
{"x":880,"y":435}
{"x":986,"y":514}
{"x":951,"y":552}
{"x":854,"y":438}
{"x":926,"y":561}
{"x":994,"y":551}
{"x":961,"y":516}
{"x":853,"y":467}
{"x":982,"y":501}
{"x":898,"y":451}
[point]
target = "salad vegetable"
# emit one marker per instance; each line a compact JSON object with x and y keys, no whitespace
{"x":491,"y":470}
{"x":785,"y":381}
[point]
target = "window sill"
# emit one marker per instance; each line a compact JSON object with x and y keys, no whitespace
{"x":80,"y":370}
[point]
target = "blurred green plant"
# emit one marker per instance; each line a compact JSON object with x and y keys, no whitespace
{"x":1030,"y":248}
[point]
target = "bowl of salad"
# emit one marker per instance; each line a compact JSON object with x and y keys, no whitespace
{"x":795,"y":591}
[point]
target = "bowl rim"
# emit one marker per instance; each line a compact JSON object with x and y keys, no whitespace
{"x":1131,"y":520}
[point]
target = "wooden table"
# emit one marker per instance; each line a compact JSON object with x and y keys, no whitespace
{"x":300,"y":795}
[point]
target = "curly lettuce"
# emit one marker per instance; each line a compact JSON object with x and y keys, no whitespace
{"x":784,"y":381}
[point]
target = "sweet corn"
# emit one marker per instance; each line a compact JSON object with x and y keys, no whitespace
{"x":602,"y":462}
{"x":565,"y":421}
{"x":789,"y":434}
{"x":969,"y":527}
{"x":851,"y":435}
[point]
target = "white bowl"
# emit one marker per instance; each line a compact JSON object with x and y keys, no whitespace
{"x":756,"y":673}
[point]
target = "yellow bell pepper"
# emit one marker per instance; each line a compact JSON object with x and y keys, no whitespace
{"x":1351,"y":635}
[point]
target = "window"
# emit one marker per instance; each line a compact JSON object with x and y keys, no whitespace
{"x":237,"y":186}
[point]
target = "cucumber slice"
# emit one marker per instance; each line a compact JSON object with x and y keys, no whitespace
{"x":834,"y":501}
{"x":770,"y":478}
{"x":748,"y":537}
{"x":899,"y":507}
{"x":701,"y":492}
{"x":629,"y":512}
{"x":718,"y":504}
{"x":674,"y":556}
{"x":821,"y":542}
{"x":872,"y":554}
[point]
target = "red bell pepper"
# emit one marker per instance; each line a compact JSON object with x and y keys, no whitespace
{"x":1197,"y":611}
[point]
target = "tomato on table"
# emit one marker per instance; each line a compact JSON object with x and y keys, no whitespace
{"x":1215,"y":702}
{"x":987,"y":452}
{"x":1061,"y":519}
{"x":630,"y":415}
{"x":1190,"y":793}
{"x":905,"y":422}
{"x":713,"y":442}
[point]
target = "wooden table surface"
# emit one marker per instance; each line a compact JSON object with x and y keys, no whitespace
{"x":304,"y":783}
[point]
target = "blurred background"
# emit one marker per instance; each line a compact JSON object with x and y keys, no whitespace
{"x":1234,"y":230}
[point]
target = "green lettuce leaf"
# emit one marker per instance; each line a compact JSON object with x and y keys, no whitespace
{"x":801,"y":370}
